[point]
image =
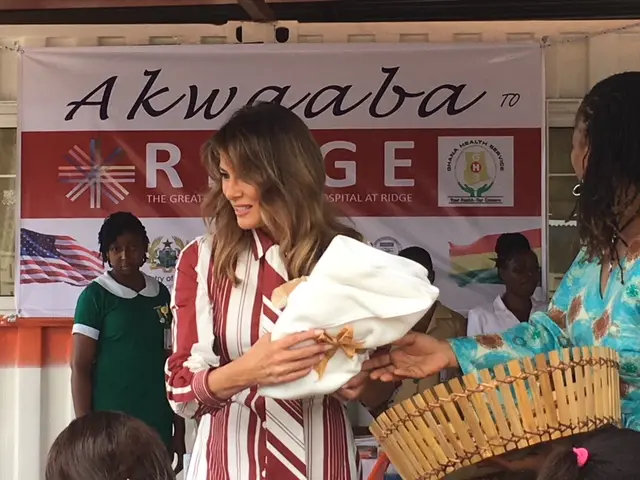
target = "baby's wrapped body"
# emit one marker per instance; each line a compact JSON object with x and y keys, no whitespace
{"x":361,"y":298}
{"x":344,"y":340}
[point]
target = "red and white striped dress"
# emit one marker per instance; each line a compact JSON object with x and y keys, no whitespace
{"x":248,"y":436}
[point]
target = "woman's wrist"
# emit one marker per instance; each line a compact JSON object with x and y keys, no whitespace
{"x":244,"y":374}
{"x":452,"y":360}
{"x":224,"y":382}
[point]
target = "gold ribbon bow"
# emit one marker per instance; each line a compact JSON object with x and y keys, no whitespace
{"x":342,"y":341}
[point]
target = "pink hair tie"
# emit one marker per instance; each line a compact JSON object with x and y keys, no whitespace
{"x":583,"y":456}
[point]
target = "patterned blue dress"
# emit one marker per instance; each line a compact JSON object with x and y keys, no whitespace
{"x":610,"y":320}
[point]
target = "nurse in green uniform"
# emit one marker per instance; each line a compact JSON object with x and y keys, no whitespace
{"x":122,"y":336}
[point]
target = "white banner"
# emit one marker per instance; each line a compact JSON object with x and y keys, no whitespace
{"x":432,"y":145}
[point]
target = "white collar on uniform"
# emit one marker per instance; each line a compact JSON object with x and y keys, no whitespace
{"x":496,"y":317}
{"x":536,"y":306}
{"x":151,"y":289}
{"x":501,"y":309}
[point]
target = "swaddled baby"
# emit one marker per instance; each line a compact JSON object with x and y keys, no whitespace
{"x":362,"y":298}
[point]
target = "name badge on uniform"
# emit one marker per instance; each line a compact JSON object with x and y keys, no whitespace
{"x":164,"y":317}
{"x":164,"y":314}
{"x":168,"y":344}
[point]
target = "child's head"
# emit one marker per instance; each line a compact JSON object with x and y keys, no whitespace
{"x":123,"y":242}
{"x":108,"y":446}
{"x":420,"y":256}
{"x":607,"y":454}
{"x":517,"y":265}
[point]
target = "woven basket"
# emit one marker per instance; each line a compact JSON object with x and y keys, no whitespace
{"x":511,"y":407}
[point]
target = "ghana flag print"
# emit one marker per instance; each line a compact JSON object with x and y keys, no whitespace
{"x":475,"y":262}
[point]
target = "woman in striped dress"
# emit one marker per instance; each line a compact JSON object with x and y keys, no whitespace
{"x":272,"y":222}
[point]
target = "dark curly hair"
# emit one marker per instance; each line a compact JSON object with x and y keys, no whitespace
{"x":420,"y":256}
{"x":115,"y":225}
{"x":610,"y":117}
{"x":508,"y":246}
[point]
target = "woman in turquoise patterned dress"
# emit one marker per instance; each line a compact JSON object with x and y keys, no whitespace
{"x":598,"y":301}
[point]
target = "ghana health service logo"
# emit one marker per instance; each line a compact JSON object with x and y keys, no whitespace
{"x":95,"y":174}
{"x":475,"y":172}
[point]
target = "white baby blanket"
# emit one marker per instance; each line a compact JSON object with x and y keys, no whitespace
{"x":379,"y":295}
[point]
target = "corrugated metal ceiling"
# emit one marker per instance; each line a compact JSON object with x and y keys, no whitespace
{"x":342,"y":11}
{"x":456,"y":10}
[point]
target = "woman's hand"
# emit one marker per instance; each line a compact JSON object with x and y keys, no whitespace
{"x":416,"y":356}
{"x":272,"y":362}
{"x":354,"y":388}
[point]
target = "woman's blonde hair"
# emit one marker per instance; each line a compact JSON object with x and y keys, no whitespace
{"x":269,"y":146}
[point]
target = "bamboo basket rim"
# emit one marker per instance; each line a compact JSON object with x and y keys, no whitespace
{"x":493,"y":411}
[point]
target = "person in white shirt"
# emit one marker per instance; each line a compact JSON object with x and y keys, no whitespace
{"x":519,"y":270}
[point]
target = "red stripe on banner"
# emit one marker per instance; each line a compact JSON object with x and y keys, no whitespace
{"x":487,"y":244}
{"x":375,"y":172}
{"x":41,"y":276}
{"x":58,"y":265}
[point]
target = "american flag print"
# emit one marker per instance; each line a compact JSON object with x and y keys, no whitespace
{"x":56,"y":259}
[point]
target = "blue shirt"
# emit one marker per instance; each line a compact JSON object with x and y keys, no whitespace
{"x":591,"y":319}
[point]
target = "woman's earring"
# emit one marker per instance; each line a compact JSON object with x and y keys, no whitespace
{"x":576,"y":190}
